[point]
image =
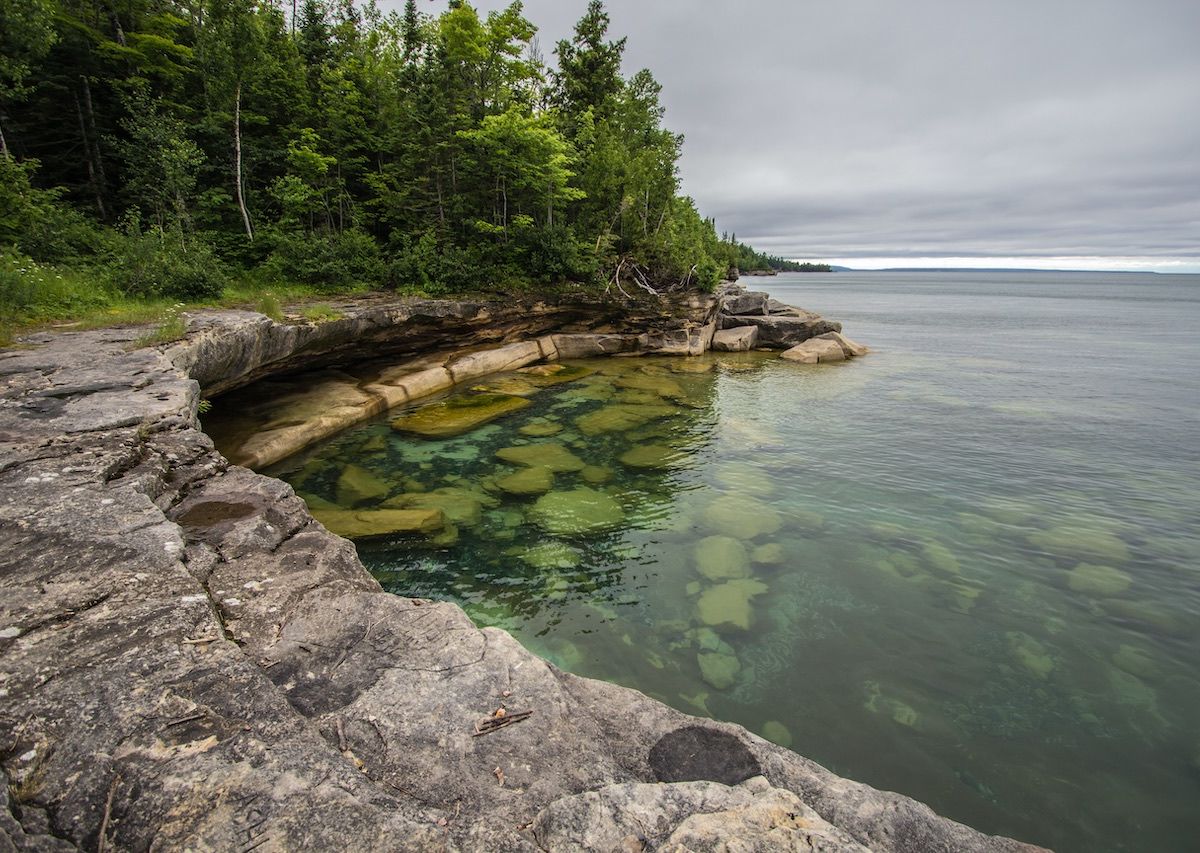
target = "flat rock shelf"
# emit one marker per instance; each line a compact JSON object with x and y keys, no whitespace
{"x":188,"y":660}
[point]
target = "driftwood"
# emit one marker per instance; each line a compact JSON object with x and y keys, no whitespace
{"x":493,"y":724}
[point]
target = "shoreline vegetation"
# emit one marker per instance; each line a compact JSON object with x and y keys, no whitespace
{"x":164,"y":154}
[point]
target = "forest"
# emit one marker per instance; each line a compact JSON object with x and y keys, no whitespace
{"x":192,"y":149}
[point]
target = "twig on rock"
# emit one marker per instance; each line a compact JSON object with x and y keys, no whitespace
{"x":492,"y":724}
{"x":199,"y":715}
{"x":102,"y":840}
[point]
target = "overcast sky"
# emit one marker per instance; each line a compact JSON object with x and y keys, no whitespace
{"x":911,"y":132}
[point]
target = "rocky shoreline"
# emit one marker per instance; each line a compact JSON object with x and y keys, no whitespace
{"x":189,"y":660}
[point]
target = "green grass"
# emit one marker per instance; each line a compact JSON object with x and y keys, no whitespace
{"x":40,"y":296}
{"x":171,"y":327}
{"x":321,"y":313}
{"x":268,"y":304}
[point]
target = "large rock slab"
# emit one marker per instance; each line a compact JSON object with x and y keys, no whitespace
{"x":749,"y":303}
{"x":815,"y":350}
{"x":737,"y":339}
{"x":191,"y":662}
{"x":782,"y":332}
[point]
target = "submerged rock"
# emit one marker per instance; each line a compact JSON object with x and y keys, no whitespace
{"x":556,"y":373}
{"x":553,"y":457}
{"x":595,"y":475}
{"x":777,"y":732}
{"x":721,"y":558}
{"x":741,"y":517}
{"x":1030,"y":653}
{"x":650,"y":456}
{"x":768,"y":555}
{"x":660,"y":386}
{"x":1098,"y":581}
{"x":541,"y":428}
{"x":358,"y":485}
{"x":1080,"y":543}
{"x":532,"y":480}
{"x":729,"y":603}
{"x":746,"y":480}
{"x":576,"y":512}
{"x":458,"y":415}
{"x":460,"y":505}
{"x":551,"y":555}
{"x":939,"y":558}
{"x":717,"y":669}
{"x":621,"y":417}
{"x":359,"y":524}
{"x":1136,"y":661}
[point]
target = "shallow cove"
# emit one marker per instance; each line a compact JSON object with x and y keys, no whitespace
{"x":971,"y":576}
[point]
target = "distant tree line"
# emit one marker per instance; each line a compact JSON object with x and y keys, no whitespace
{"x":184,"y":141}
{"x":746,"y":259}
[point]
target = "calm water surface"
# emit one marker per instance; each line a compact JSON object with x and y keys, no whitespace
{"x":965,"y":567}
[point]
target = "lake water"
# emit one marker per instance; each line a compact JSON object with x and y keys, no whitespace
{"x":965,"y":567}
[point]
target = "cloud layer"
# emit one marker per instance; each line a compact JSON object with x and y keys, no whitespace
{"x":928,"y":128}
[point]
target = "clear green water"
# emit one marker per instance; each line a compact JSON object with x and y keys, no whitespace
{"x":966,"y":567}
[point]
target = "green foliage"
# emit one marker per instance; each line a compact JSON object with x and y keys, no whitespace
{"x":428,"y":153}
{"x":28,"y":288}
{"x":39,"y":223}
{"x":327,"y":262}
{"x":159,"y":264}
{"x":321,"y":313}
{"x":26,"y":35}
{"x":268,"y":306}
{"x":171,"y":327}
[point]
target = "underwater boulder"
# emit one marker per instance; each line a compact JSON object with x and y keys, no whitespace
{"x":1098,"y":581}
{"x":532,"y":480}
{"x":620,"y":417}
{"x":357,"y":485}
{"x":650,"y":456}
{"x":717,"y":669}
{"x":659,"y":386}
{"x":554,"y":457}
{"x":360,"y":524}
{"x":555,"y":373}
{"x":721,"y":558}
{"x":458,"y":415}
{"x":576,"y":512}
{"x":939,"y":558}
{"x":541,"y":428}
{"x":742,"y":517}
{"x":459,"y":505}
{"x":728,"y":604}
{"x":551,"y":555}
{"x":777,"y":732}
{"x":1080,"y":543}
{"x":770,"y":554}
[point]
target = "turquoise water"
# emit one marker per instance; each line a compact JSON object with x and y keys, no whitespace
{"x":965,"y":567}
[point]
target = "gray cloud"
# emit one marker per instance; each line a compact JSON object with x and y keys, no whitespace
{"x":860,"y":128}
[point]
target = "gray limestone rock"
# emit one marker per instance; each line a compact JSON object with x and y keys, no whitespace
{"x":781,"y":332}
{"x":737,"y":339}
{"x":745,"y":304}
{"x":188,"y":660}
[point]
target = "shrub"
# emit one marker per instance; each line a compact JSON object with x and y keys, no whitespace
{"x":328,"y":262}
{"x":30,"y":291}
{"x":158,"y":264}
{"x":268,"y":305}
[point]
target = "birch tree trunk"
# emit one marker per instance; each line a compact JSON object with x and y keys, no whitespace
{"x":237,"y":160}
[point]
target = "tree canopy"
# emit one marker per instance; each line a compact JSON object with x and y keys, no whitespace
{"x":345,"y":145}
